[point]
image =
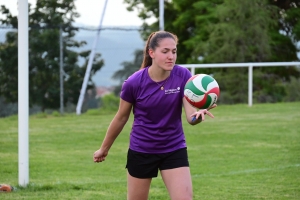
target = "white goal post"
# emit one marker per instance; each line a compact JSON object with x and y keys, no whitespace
{"x":250,"y":66}
{"x":23,"y":93}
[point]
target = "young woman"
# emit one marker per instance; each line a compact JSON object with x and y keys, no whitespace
{"x":157,"y":141}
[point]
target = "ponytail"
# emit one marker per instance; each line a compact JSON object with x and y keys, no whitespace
{"x":147,"y":60}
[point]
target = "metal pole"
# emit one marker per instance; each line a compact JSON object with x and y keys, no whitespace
{"x":23,"y":92}
{"x":61,"y":72}
{"x":161,"y":15}
{"x":87,"y":72}
{"x":193,"y":71}
{"x":250,"y":84}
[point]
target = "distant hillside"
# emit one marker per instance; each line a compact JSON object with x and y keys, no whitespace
{"x":115,"y":47}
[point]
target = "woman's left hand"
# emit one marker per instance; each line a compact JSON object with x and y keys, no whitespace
{"x":200,"y":114}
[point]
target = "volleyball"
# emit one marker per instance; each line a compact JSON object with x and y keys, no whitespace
{"x":201,"y":91}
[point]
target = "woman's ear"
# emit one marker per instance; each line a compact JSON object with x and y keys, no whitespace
{"x":151,"y":53}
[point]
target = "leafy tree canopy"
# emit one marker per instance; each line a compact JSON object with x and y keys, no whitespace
{"x":231,"y":31}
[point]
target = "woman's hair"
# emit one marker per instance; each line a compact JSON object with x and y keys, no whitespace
{"x":153,"y":42}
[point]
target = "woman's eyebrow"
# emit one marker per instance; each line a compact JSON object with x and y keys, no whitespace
{"x":169,"y":49}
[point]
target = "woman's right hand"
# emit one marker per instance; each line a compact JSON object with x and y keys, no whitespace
{"x":100,"y":155}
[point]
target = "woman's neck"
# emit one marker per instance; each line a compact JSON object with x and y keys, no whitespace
{"x":157,"y":74}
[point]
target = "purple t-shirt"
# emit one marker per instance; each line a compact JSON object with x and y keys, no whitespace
{"x":157,"y":126}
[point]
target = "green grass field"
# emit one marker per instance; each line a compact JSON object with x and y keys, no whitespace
{"x":244,"y":153}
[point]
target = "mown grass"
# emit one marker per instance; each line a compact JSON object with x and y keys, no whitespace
{"x":244,"y":153}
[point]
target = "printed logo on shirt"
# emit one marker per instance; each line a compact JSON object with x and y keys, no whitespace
{"x":172,"y":91}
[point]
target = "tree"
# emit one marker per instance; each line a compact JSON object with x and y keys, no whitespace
{"x":285,"y":36}
{"x":45,"y":20}
{"x":197,"y":24}
{"x":241,"y":35}
{"x":289,"y":15}
{"x":181,"y":17}
{"x":221,"y":31}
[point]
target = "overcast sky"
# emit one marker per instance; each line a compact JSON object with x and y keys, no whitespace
{"x":116,"y":13}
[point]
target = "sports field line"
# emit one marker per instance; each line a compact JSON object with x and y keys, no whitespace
{"x":247,"y":171}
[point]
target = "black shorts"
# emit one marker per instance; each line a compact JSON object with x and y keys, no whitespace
{"x":145,"y":165}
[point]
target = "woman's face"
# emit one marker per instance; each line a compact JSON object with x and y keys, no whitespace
{"x":164,"y":56}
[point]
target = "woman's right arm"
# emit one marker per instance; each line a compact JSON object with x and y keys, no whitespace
{"x":113,"y":130}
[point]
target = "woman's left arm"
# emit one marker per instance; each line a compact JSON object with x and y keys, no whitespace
{"x":193,"y":116}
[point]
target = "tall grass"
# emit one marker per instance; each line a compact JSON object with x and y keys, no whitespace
{"x":244,"y":153}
